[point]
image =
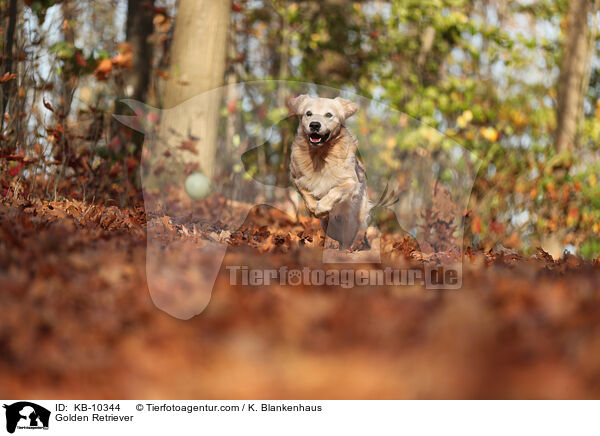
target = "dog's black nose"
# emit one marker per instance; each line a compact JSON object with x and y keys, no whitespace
{"x":315,"y":125}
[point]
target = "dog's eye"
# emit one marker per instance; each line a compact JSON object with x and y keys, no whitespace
{"x":309,"y":114}
{"x":328,"y":114}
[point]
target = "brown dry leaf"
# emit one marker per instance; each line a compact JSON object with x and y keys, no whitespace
{"x":189,"y":145}
{"x":78,"y":273}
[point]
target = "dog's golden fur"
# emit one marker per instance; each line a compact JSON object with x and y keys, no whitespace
{"x":329,"y":176}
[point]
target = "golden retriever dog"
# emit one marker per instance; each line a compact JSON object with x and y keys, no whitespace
{"x":325,"y":169}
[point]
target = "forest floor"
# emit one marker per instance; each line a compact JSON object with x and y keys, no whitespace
{"x":78,"y":321}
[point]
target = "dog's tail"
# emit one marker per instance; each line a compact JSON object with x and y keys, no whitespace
{"x":388,"y":198}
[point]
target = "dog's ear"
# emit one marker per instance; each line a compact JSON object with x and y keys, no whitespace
{"x":295,"y":103}
{"x":349,"y":107}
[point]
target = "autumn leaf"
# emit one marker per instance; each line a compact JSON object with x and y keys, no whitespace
{"x":80,"y":60}
{"x":572,"y":217}
{"x":48,"y":106}
{"x":476,"y":225}
{"x":125,"y":57}
{"x":15,"y":170}
{"x":14,"y":157}
{"x":104,"y":66}
{"x":103,"y":69}
{"x":544,"y":255}
{"x":7,"y":77}
{"x":115,"y":143}
{"x":513,"y":241}
{"x":189,"y":145}
{"x":231,"y":106}
{"x":162,"y":22}
{"x":465,"y":118}
{"x":489,"y":133}
{"x":162,"y":74}
{"x":496,"y":226}
{"x":124,"y":60}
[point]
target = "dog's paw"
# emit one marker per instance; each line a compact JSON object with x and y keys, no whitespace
{"x":322,"y":210}
{"x":311,"y":205}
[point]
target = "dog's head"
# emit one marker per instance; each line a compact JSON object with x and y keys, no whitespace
{"x":321,"y":118}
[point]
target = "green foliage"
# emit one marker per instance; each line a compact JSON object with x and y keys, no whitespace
{"x":74,"y":61}
{"x":483,"y":73}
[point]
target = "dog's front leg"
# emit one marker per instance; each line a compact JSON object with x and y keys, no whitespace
{"x":309,"y":200}
{"x":339,"y":193}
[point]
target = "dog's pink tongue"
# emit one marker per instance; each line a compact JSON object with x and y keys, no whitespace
{"x":314,"y":139}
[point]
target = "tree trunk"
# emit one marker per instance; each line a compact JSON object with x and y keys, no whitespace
{"x":7,"y":54}
{"x":572,"y":75}
{"x":198,"y":56}
{"x":70,"y":81}
{"x":139,"y":28}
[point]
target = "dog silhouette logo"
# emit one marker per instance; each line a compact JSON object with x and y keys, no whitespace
{"x":26,"y":415}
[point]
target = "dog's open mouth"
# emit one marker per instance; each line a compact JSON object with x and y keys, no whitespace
{"x":317,"y":139}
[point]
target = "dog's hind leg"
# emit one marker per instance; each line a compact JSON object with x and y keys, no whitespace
{"x":343,"y":223}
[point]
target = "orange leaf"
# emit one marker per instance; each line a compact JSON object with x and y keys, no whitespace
{"x":125,"y":47}
{"x":104,"y":66}
{"x":231,"y":106}
{"x":7,"y":77}
{"x":124,"y":60}
{"x":476,"y":225}
{"x":162,"y":74}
